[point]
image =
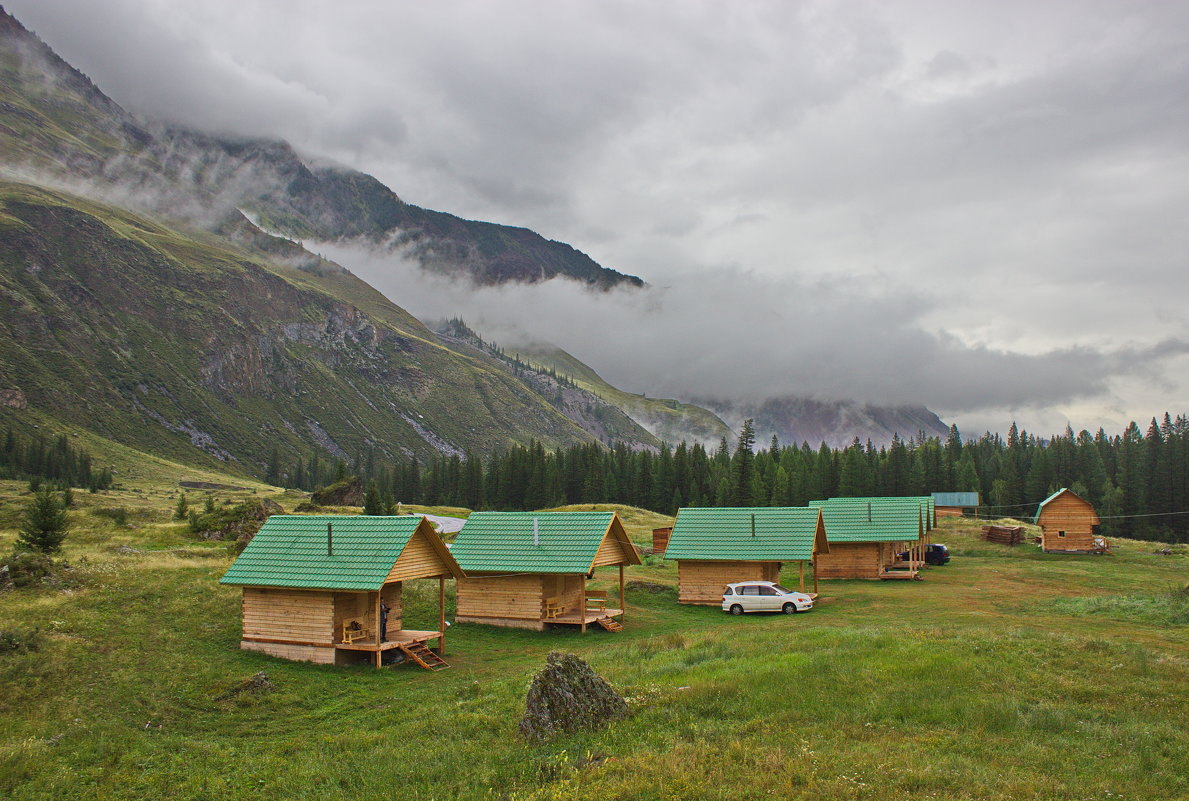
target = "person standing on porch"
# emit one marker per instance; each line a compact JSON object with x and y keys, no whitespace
{"x":383,"y":621}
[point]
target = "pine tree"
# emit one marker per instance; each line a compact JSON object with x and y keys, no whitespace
{"x":373,"y":504}
{"x":182,"y":509}
{"x":743,"y":467}
{"x":45,"y":524}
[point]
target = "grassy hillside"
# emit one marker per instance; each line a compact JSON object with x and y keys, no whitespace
{"x":191,"y":348}
{"x":1008,"y":673}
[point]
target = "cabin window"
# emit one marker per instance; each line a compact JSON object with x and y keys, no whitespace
{"x":1060,"y":533}
{"x":1096,"y":531}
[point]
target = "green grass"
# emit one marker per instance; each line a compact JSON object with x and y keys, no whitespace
{"x":996,"y":677}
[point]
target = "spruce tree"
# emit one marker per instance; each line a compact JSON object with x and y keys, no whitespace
{"x":373,"y":504}
{"x":743,"y":467}
{"x":45,"y":524}
{"x":182,"y":509}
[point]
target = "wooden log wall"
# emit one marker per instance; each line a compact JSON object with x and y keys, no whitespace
{"x":417,"y":560}
{"x":304,"y":616}
{"x":660,"y":539}
{"x":846,"y":560}
{"x":298,"y":653}
{"x":486,"y":599}
{"x":1072,"y":515}
{"x":611,"y":552}
{"x":703,"y":582}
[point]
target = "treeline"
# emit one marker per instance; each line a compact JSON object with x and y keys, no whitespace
{"x":1138,"y":481}
{"x":37,"y":458}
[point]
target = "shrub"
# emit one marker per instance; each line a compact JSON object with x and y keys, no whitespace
{"x":45,"y":524}
{"x":15,"y":642}
{"x":117,"y":514}
{"x":25,"y":569}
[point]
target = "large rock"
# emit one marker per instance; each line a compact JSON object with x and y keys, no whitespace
{"x":567,"y":695}
{"x":347,"y":492}
{"x":239,"y":523}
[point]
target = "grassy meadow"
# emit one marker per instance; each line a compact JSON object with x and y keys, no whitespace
{"x":1008,"y":674}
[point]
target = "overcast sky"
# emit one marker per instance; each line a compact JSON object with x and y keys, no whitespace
{"x":977,"y":206}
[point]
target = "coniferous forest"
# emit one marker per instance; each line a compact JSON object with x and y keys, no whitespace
{"x":1137,"y":480}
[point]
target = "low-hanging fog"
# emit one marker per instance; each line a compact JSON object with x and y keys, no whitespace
{"x":730,"y":334}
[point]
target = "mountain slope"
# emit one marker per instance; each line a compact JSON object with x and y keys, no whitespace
{"x":667,"y":419}
{"x":170,"y":344}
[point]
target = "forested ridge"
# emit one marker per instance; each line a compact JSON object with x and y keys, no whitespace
{"x":1137,"y":480}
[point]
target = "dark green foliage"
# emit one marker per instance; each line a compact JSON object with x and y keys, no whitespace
{"x":182,"y":509}
{"x":373,"y":504}
{"x":26,"y":569}
{"x":13,"y":641}
{"x":38,"y":459}
{"x":116,"y":514}
{"x":45,"y":523}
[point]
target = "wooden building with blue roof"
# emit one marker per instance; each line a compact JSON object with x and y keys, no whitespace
{"x":531,"y":569}
{"x":714,"y":547}
{"x":328,"y":588}
{"x":955,"y":504}
{"x":867,"y":536}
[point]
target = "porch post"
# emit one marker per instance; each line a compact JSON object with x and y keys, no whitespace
{"x":801,"y":573}
{"x":378,"y":640}
{"x":813,"y":564}
{"x":582,"y":606}
{"x":623,"y":611}
{"x":441,"y":615}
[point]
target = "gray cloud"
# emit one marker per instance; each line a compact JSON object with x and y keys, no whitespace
{"x":1000,"y":185}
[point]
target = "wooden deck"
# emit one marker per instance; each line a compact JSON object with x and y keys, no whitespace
{"x":899,"y":574}
{"x":395,"y":640}
{"x":575,"y":618}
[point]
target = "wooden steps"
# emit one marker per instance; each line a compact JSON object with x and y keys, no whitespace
{"x":610,"y":624}
{"x":423,"y":656}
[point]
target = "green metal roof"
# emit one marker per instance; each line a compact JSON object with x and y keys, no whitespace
{"x":926,"y":503}
{"x":565,"y":542}
{"x":291,"y":551}
{"x":782,"y":534}
{"x":871,"y":519}
{"x":955,"y":498}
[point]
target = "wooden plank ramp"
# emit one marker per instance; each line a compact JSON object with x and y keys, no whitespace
{"x":610,"y":624}
{"x":423,"y":656}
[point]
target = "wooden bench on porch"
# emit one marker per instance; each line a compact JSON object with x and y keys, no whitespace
{"x":553,"y":607}
{"x":355,"y":628}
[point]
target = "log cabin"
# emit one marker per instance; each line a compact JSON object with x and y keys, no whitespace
{"x":717,"y":547}
{"x":1069,"y":524}
{"x":867,"y":535}
{"x":955,"y":504}
{"x":328,"y":588}
{"x":531,"y":569}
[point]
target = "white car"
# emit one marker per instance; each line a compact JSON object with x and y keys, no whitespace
{"x":763,"y":596}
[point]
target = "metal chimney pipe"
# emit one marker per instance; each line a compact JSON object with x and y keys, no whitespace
{"x":753,"y":524}
{"x":536,"y":533}
{"x":329,"y":539}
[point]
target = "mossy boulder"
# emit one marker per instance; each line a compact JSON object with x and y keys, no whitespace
{"x":345,"y":492}
{"x":566,"y":696}
{"x":239,"y":523}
